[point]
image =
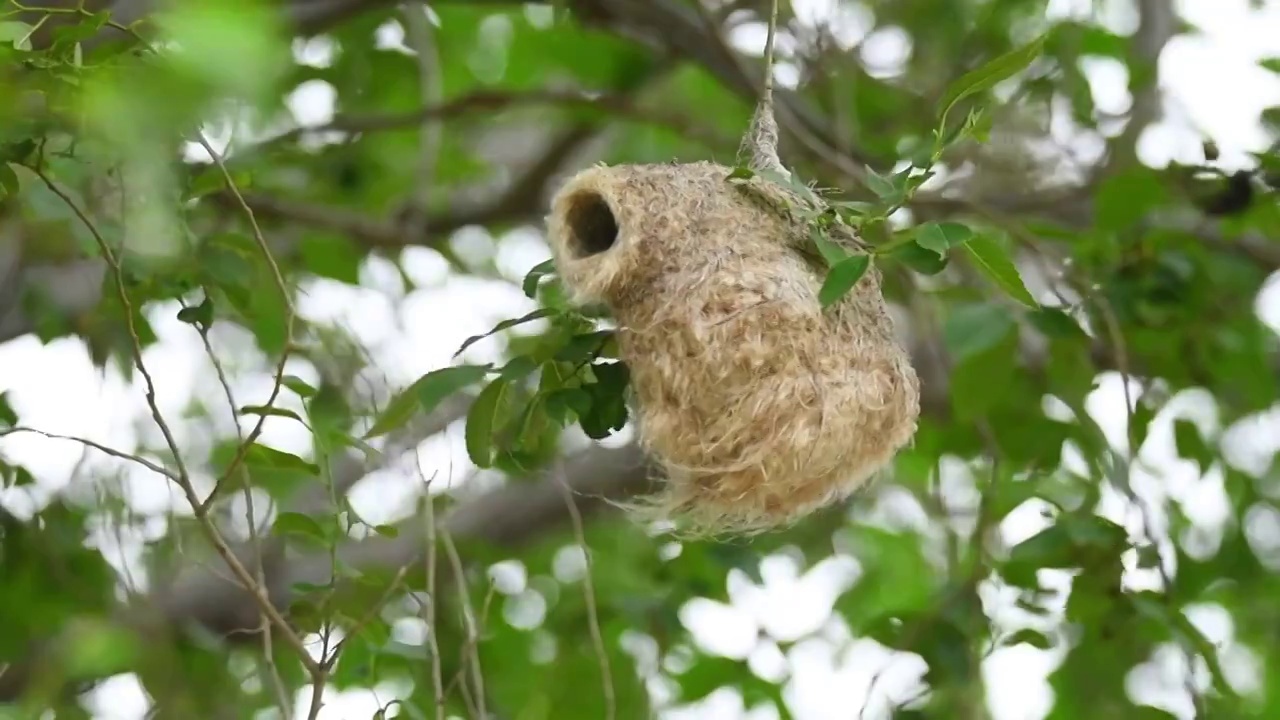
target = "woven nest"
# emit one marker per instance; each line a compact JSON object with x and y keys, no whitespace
{"x":759,"y":406}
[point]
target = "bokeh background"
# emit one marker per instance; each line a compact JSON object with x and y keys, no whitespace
{"x":1086,"y":525}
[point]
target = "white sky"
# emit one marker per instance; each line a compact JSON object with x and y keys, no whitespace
{"x":1212,"y":83}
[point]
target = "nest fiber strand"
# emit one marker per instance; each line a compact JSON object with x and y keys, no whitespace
{"x":759,"y":406}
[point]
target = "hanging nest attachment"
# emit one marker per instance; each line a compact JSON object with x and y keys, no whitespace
{"x":759,"y":405}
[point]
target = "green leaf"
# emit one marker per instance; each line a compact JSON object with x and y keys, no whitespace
{"x":564,"y":403}
{"x":945,"y":647}
{"x":608,"y":411}
{"x":977,"y":125}
{"x":830,"y":251}
{"x":1191,"y":445}
{"x":990,"y":74}
{"x":896,"y":581}
{"x":100,"y":649}
{"x":1096,"y":532}
{"x":534,"y":277}
{"x":989,"y":257}
{"x":270,"y":410}
{"x":583,"y":345}
{"x":970,"y":329}
{"x":7,"y":416}
{"x":279,"y":473}
{"x":298,"y":385}
{"x":790,"y":181}
{"x":842,"y":277}
{"x":706,"y":675}
{"x":1034,"y":638}
{"x":1049,"y":548}
{"x":883,"y":187}
{"x":505,"y":324}
{"x":199,"y":315}
{"x":9,"y":185}
{"x":1123,"y":199}
{"x":268,"y":457}
{"x":16,"y":33}
{"x":925,"y":262}
{"x":211,"y":180}
{"x":481,"y":423}
{"x":301,"y":525}
{"x":425,"y":394}
{"x":986,"y":376}
{"x":437,"y":385}
{"x":942,"y":644}
{"x":396,"y":414}
{"x":1056,"y":324}
{"x":911,"y":180}
{"x":233,"y":46}
{"x":329,"y":254}
{"x":941,"y":237}
{"x":89,"y":24}
{"x":390,"y":531}
{"x":532,"y":425}
{"x":518,"y":367}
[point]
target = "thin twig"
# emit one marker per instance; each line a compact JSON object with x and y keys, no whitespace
{"x":620,"y":106}
{"x":418,"y":34}
{"x":255,"y":541}
{"x":317,"y":693}
{"x":317,"y":670}
{"x":285,"y":298}
{"x":79,"y":10}
{"x":457,"y":679}
{"x":429,"y":609}
{"x":766,"y":96}
{"x":470,"y":643}
{"x":96,"y":446}
{"x":468,"y":617}
{"x":183,"y":479}
{"x":589,"y":597}
{"x":369,"y":614}
{"x":1158,"y":23}
{"x":759,"y":148}
{"x":1116,"y":337}
{"x":821,"y":149}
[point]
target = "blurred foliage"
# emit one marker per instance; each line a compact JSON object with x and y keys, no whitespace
{"x":939,"y":165}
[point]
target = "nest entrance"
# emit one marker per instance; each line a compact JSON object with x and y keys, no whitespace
{"x":593,"y":229}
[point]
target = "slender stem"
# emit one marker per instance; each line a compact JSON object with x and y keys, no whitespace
{"x":589,"y":597}
{"x":766,"y":93}
{"x":181,"y":476}
{"x":759,"y":147}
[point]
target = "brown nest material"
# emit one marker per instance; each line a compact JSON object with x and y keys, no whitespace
{"x":759,"y":405}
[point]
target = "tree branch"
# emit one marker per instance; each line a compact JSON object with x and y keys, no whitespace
{"x":507,"y":517}
{"x":518,"y":511}
{"x":616,"y":105}
{"x":76,"y":287}
{"x":1157,"y":25}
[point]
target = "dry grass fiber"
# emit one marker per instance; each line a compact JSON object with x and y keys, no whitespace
{"x":759,"y":406}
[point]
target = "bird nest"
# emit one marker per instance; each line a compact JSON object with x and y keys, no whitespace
{"x":758,"y":405}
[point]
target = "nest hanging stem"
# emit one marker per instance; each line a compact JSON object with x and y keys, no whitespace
{"x":760,"y":145}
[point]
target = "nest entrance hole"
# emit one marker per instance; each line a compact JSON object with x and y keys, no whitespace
{"x":592,"y":225}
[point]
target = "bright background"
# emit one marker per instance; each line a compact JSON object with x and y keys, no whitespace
{"x":1212,"y":86}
